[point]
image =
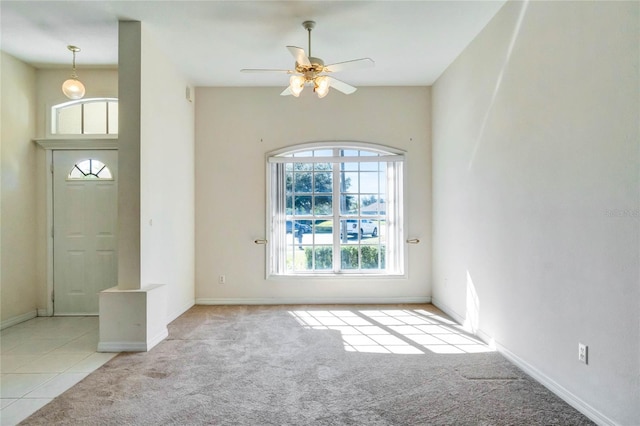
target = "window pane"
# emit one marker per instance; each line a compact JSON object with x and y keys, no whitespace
{"x":323,"y":205}
{"x":323,"y":227}
{"x":323,"y":182}
{"x":303,"y":154}
{"x":113,"y":118}
{"x":349,"y":153}
{"x":76,"y":174}
{"x":323,"y":153}
{"x":302,"y":204}
{"x":70,"y":120}
{"x":369,"y":204}
{"x":323,"y":167}
{"x":349,"y":182}
{"x":369,"y":167}
{"x":371,"y":256}
{"x":302,"y":182}
{"x":95,"y":118}
{"x":349,"y":167}
{"x":369,"y":182}
{"x":349,"y":257}
{"x":348,"y":204}
{"x":323,"y":257}
{"x":105,"y":173}
{"x":289,"y":182}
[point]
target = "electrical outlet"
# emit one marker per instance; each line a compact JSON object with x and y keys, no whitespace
{"x":583,"y":353}
{"x":222,"y":279}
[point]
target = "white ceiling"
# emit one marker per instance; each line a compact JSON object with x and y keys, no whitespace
{"x":412,"y":42}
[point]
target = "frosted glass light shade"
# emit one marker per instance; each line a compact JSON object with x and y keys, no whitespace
{"x":296,"y":84}
{"x":322,"y":86}
{"x":73,"y":88}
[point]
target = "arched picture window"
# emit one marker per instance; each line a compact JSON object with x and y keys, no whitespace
{"x":90,"y":169}
{"x":93,"y":116}
{"x":336,"y":209}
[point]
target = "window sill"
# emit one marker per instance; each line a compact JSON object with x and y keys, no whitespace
{"x":338,"y":276}
{"x":102,"y":142}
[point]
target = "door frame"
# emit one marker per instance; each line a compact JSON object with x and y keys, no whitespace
{"x":58,"y":144}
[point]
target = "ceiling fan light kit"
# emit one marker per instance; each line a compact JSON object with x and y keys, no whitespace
{"x":73,"y":88}
{"x":311,"y":71}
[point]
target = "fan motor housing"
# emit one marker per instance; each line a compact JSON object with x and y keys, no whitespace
{"x":317,"y":66}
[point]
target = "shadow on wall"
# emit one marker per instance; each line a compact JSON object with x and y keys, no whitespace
{"x":496,"y":89}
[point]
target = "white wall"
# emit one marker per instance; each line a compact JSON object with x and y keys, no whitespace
{"x":18,"y":190}
{"x":166,"y":179}
{"x":536,"y":196}
{"x":236,"y":128}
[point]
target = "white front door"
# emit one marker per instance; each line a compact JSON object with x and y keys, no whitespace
{"x":85,"y":261}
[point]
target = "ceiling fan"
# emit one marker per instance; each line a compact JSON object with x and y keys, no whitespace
{"x":311,"y":71}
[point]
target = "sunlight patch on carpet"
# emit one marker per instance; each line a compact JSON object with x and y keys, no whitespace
{"x":392,"y":331}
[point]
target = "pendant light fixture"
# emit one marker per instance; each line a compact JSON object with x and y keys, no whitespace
{"x":73,"y":88}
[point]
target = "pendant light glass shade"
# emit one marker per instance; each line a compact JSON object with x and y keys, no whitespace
{"x":73,"y":88}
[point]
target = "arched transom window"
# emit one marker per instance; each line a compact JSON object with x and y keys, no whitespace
{"x":93,"y":116}
{"x":90,"y":169}
{"x":336,"y":209}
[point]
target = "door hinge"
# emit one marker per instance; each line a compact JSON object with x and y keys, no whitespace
{"x":52,"y":235}
{"x":53,"y":292}
{"x":51,"y":168}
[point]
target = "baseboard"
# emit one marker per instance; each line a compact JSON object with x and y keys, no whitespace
{"x":447,"y":310}
{"x":556,"y":388}
{"x":180,"y":311}
{"x":43,"y":313}
{"x":540,"y":377}
{"x":133,"y":346}
{"x":157,"y":339}
{"x":122,"y":347}
{"x":18,"y":319}
{"x":312,"y":301}
{"x":461,"y":320}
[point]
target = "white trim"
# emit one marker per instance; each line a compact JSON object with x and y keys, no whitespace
{"x":133,"y":346}
{"x":78,"y":143}
{"x":49,"y":178}
{"x":556,"y":388}
{"x":313,"y":300}
{"x":180,"y":311}
{"x":43,"y":313}
{"x":122,"y":347}
{"x":447,"y":310}
{"x":335,"y":159}
{"x":18,"y":319}
{"x":157,"y":338}
{"x":307,"y":146}
{"x":532,"y":371}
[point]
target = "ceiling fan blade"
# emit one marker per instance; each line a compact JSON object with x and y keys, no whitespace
{"x":350,"y":65}
{"x":299,"y":55}
{"x":341,"y":86}
{"x":286,"y":92}
{"x":266,"y":70}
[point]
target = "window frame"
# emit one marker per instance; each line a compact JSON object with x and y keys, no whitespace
{"x":273,"y":270}
{"x":52,"y":118}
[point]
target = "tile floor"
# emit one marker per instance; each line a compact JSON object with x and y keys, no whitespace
{"x":43,"y":357}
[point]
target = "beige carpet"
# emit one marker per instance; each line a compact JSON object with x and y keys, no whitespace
{"x":310,"y":365}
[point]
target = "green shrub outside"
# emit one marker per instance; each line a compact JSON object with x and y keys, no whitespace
{"x":349,"y":257}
